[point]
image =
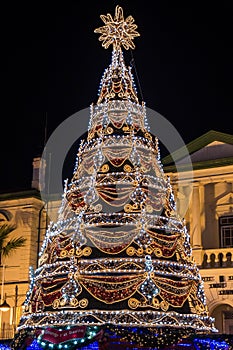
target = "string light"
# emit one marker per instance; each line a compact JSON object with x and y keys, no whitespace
{"x":135,"y":338}
{"x":118,"y":253}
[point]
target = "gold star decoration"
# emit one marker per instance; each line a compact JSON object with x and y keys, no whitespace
{"x":117,"y":31}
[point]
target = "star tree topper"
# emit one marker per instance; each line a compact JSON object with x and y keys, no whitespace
{"x":117,"y":31}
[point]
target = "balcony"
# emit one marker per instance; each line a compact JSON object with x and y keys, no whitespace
{"x":6,"y":332}
{"x":217,"y":258}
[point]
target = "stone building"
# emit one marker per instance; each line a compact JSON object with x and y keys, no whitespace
{"x":209,"y":215}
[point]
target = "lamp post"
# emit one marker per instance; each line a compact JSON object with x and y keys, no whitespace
{"x":15,"y":308}
{"x":3,"y":306}
{"x":16,"y":297}
{"x":3,"y":280}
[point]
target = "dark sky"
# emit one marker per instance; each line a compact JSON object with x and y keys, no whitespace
{"x":52,"y":63}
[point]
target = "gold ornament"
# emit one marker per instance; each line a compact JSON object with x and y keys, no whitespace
{"x":87,"y":251}
{"x":105,"y":168}
{"x":128,"y":208}
{"x":164,"y":305}
{"x":56,"y":304}
{"x":149,"y":208}
{"x":98,"y":208}
{"x":149,"y":250}
{"x":63,"y":302}
{"x":117,"y":31}
{"x":83,"y":303}
{"x":130,"y":251}
{"x":125,"y":128}
{"x":127,"y":168}
{"x":63,"y":253}
{"x":155,"y":302}
{"x":139,"y":251}
{"x":74,"y":302}
{"x":158,"y":252}
{"x":109,"y":130}
{"x":71,"y":252}
{"x":133,"y":303}
{"x":79,"y":252}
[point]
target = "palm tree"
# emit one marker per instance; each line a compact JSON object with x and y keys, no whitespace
{"x":7,"y":246}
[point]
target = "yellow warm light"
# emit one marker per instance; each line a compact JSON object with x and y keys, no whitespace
{"x":4,"y":306}
{"x":117,"y":31}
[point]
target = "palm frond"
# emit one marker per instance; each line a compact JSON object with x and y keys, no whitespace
{"x":5,"y":230}
{"x":12,"y":245}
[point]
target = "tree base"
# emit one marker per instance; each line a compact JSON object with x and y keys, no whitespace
{"x":111,"y":337}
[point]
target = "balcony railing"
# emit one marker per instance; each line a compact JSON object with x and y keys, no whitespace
{"x":216,"y":258}
{"x":7,"y":331}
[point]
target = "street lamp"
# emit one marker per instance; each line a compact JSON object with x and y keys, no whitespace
{"x":5,"y":306}
{"x":16,"y":297}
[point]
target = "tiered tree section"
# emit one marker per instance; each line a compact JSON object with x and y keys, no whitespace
{"x":118,"y":256}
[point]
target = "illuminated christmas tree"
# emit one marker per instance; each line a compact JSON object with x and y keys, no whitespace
{"x":117,"y":266}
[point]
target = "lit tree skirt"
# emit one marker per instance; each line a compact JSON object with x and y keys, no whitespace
{"x":119,"y":337}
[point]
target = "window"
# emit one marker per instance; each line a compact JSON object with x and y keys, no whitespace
{"x":221,"y":278}
{"x":226,"y":231}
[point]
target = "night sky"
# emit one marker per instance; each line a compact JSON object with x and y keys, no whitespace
{"x":52,"y":63}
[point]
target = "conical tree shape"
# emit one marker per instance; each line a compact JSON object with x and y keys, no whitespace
{"x":118,"y":255}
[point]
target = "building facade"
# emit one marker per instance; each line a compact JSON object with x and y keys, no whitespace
{"x":28,"y":213}
{"x":204,"y":193}
{"x":202,"y":180}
